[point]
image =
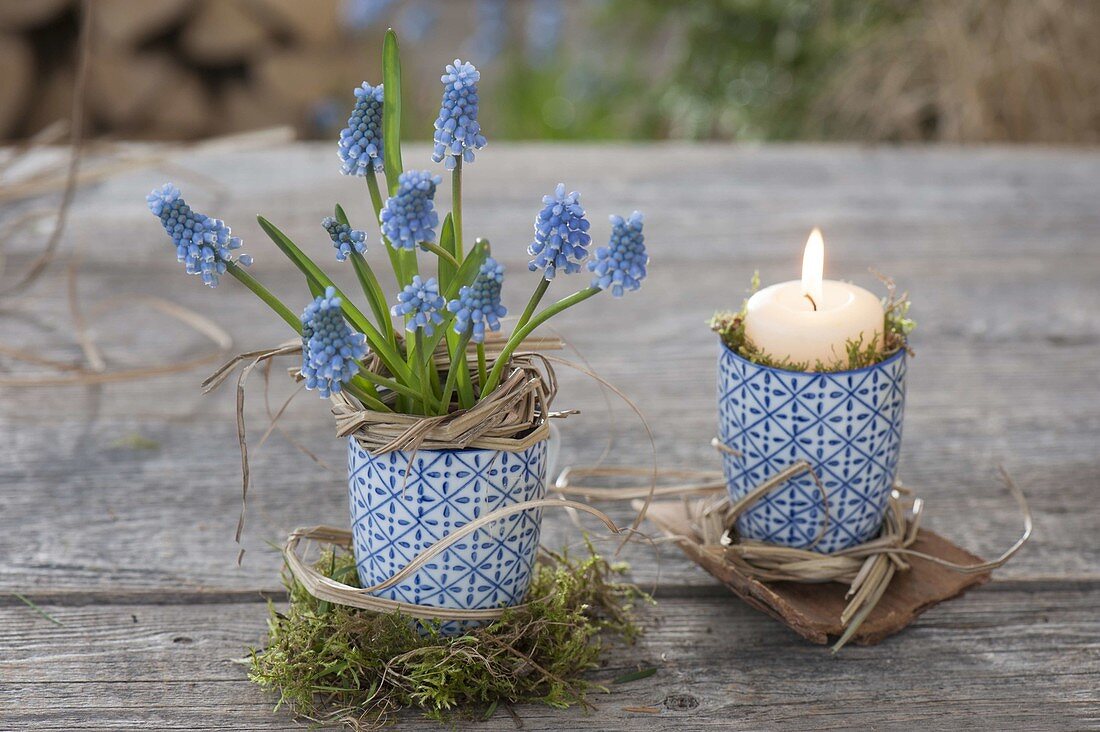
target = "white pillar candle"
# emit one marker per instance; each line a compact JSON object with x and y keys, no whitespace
{"x":811,"y":321}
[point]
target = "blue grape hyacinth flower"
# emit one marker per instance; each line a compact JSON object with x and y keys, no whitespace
{"x":344,"y":238}
{"x":409,"y":216}
{"x":330,"y":348}
{"x":478,"y":305}
{"x":422,"y":303}
{"x":621,"y":265}
{"x":360,"y":146}
{"x":561,"y":234}
{"x":456,"y":129}
{"x":203,"y":244}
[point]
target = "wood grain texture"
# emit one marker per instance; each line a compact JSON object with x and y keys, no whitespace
{"x":999,"y":658}
{"x":998,"y":247}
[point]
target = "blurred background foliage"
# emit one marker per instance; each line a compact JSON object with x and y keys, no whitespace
{"x":864,"y":70}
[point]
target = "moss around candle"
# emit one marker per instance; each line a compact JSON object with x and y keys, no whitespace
{"x":812,"y":320}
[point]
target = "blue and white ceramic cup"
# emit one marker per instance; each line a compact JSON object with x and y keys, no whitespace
{"x":846,"y":424}
{"x":394,"y":519}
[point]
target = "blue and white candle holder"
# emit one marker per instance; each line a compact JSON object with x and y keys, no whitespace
{"x":394,"y":519}
{"x":846,"y":424}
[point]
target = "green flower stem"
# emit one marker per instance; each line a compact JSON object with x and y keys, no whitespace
{"x":433,"y":376}
{"x":458,"y":347}
{"x":456,"y":205}
{"x":373,"y":402}
{"x":425,"y":377}
{"x":465,"y":384}
{"x":464,"y":276}
{"x":387,"y":353}
{"x":482,"y":373}
{"x":536,"y":298}
{"x":362,"y":389}
{"x":375,"y":296}
{"x":439,"y":252}
{"x":369,"y":284}
{"x":519,"y":334}
{"x":264,"y":294}
{"x":375,"y":193}
{"x":376,"y":201}
{"x":409,"y":266}
{"x":390,"y":357}
{"x":374,"y":379}
{"x":447,"y":242}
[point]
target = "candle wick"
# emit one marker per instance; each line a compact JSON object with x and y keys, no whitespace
{"x":808,"y":297}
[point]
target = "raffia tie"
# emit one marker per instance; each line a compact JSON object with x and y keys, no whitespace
{"x":867,"y":568}
{"x":326,"y":588}
{"x":511,"y":419}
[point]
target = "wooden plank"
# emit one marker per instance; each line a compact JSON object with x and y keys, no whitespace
{"x":997,"y":245}
{"x":998,"y":658}
{"x":996,"y":380}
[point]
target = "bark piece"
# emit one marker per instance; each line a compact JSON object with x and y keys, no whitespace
{"x":223,"y":32}
{"x":813,"y":610}
{"x":124,"y":23}
{"x":314,"y":23}
{"x":17,"y":14}
{"x":17,"y":64}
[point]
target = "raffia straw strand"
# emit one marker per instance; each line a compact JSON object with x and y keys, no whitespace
{"x":511,"y":419}
{"x":645,"y":425}
{"x":867,"y":568}
{"x":78,"y":374}
{"x":325,"y":588}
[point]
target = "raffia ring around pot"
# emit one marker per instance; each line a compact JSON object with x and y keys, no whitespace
{"x":325,"y":588}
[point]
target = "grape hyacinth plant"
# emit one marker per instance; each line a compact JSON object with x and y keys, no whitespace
{"x":457,"y":132}
{"x":561,"y":234}
{"x":448,"y":304}
{"x":622,"y":263}
{"x":330,"y":350}
{"x":409,"y":216}
{"x":344,"y":238}
{"x":478,"y":304}
{"x":361,"y":141}
{"x":203,"y":244}
{"x":421,"y":304}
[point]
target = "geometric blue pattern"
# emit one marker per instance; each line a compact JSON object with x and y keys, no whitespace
{"x":846,"y":424}
{"x":394,"y":519}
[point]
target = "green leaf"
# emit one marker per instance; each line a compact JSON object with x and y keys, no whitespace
{"x":465,"y":275}
{"x":373,"y":291}
{"x":369,"y":283}
{"x":470,"y":265}
{"x":644,"y":673}
{"x":378,"y":343}
{"x":447,"y":244}
{"x":391,"y":110}
{"x":265,"y":295}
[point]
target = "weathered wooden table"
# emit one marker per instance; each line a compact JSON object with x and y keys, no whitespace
{"x":118,"y":502}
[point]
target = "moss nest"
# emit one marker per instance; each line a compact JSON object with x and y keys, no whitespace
{"x":333,"y":663}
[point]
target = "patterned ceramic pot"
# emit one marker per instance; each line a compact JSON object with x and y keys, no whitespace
{"x":846,"y":424}
{"x":394,"y":519}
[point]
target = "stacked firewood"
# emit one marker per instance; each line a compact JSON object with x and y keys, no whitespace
{"x":178,"y":69}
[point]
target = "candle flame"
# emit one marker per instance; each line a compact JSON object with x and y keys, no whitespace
{"x":813,"y":266}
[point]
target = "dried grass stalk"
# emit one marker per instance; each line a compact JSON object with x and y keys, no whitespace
{"x":325,"y":588}
{"x":867,"y":568}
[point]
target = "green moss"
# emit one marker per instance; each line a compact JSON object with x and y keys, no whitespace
{"x":335,"y":663}
{"x":730,"y":327}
